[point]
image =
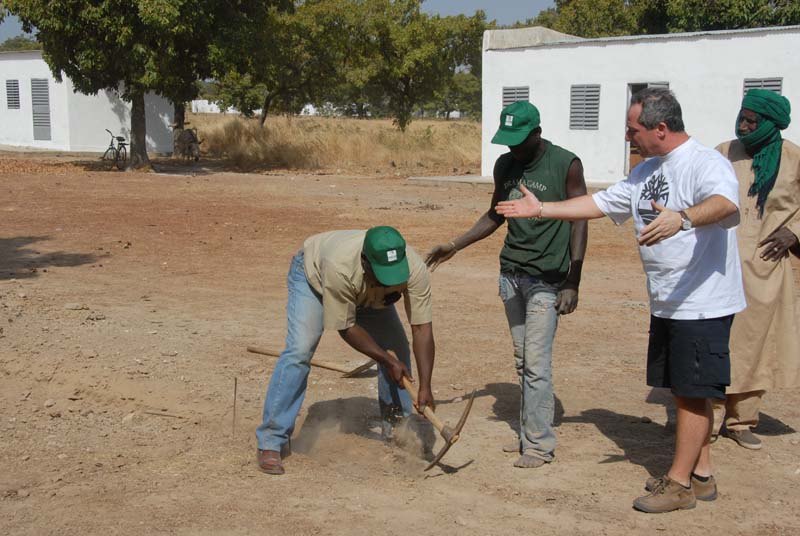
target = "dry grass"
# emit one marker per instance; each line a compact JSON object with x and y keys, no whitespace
{"x":340,"y":144}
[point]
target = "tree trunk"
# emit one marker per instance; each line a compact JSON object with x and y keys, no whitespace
{"x":264,"y":109}
{"x":180,"y":115}
{"x":138,"y":157}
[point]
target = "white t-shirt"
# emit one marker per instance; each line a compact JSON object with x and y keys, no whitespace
{"x":694,"y":274}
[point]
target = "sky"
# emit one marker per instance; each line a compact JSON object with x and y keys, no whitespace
{"x":505,"y":12}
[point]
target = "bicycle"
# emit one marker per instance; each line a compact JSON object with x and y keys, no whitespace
{"x":116,"y":155}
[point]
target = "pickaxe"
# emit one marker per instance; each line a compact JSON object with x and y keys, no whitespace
{"x":450,"y":435}
{"x":346,"y":372}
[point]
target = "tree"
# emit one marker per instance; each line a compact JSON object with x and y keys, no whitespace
{"x":19,"y":43}
{"x":280,"y":59}
{"x":417,"y":54}
{"x":130,"y":46}
{"x":602,"y":18}
{"x":696,"y":15}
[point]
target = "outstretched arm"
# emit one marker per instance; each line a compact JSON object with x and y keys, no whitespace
{"x":486,"y":225}
{"x":578,"y":208}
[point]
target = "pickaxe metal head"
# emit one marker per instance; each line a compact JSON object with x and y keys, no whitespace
{"x":451,"y":435}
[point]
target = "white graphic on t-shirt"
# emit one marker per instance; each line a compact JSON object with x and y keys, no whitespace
{"x":656,"y":189}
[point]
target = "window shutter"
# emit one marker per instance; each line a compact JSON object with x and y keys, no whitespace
{"x":772,"y":84}
{"x":514,"y":94}
{"x":584,"y":107}
{"x":40,"y":96}
{"x":12,"y":94}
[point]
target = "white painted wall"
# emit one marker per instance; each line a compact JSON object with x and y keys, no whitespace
{"x":204,"y":106}
{"x":90,"y":115}
{"x":77,"y":121}
{"x":706,"y":72}
{"x":16,"y":126}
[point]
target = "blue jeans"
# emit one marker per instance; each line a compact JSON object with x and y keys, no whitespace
{"x":532,"y":319}
{"x":287,"y":387}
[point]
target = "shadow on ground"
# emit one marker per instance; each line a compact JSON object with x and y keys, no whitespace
{"x":506,"y":404}
{"x":643,"y":443}
{"x":18,"y":260}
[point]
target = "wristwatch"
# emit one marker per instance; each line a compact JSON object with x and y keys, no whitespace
{"x":686,"y":223}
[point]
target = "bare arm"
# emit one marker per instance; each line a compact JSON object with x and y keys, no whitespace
{"x":487,"y":224}
{"x":582,"y":207}
{"x":424,"y":354}
{"x":711,"y":210}
{"x":358,"y":338}
{"x":567,"y":299}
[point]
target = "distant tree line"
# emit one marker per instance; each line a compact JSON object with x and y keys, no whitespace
{"x":604,"y":18}
{"x":19,"y":42}
{"x":378,"y":58}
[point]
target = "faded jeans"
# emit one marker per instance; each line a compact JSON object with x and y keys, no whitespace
{"x":287,"y":387}
{"x":532,"y":319}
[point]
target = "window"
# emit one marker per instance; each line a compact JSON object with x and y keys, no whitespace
{"x":40,"y":102}
{"x":584,"y":107}
{"x":514,"y":94}
{"x":772,"y":84}
{"x":12,"y":94}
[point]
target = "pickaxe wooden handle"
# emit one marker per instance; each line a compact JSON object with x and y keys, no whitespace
{"x":347,"y":373}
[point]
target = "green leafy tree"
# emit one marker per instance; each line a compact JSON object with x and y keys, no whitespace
{"x":279,"y":61}
{"x":130,"y":46}
{"x":417,"y":54}
{"x":19,"y":42}
{"x":602,"y":18}
{"x":696,"y":15}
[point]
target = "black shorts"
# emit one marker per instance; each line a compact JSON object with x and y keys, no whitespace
{"x":691,"y":357}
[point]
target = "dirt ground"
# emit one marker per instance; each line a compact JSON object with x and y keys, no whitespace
{"x":127,"y":301}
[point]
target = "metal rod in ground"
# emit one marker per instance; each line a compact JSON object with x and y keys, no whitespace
{"x":235,"y":388}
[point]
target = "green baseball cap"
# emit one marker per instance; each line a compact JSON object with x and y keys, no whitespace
{"x":385,"y":250}
{"x":517,"y":120}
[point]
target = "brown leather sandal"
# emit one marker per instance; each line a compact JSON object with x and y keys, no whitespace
{"x":269,"y":461}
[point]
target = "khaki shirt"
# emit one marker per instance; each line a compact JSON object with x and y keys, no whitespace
{"x":333,"y":269}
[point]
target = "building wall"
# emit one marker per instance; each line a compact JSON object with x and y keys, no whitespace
{"x":91,"y":115}
{"x":706,"y":72}
{"x":77,"y":121}
{"x":17,"y":125}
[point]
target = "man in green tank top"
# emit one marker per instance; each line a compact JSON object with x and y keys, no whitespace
{"x":540,"y":266}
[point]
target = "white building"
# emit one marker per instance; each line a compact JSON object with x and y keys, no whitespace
{"x":37,"y":111}
{"x":204,"y":106}
{"x":582,"y":87}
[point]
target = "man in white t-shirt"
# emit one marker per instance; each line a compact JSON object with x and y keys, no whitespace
{"x":684,"y":204}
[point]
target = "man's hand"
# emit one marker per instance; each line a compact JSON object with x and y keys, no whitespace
{"x":567,"y":299}
{"x":397,"y":370}
{"x":777,"y":244}
{"x":667,"y":224}
{"x":440,"y":254}
{"x":424,"y":398}
{"x":527,"y":207}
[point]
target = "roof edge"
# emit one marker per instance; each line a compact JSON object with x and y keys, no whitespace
{"x":510,"y":42}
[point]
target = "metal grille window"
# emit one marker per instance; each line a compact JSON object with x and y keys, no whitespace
{"x":584,"y":107}
{"x":12,"y":94}
{"x":40,"y":97}
{"x":772,"y":84}
{"x":514,"y":94}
